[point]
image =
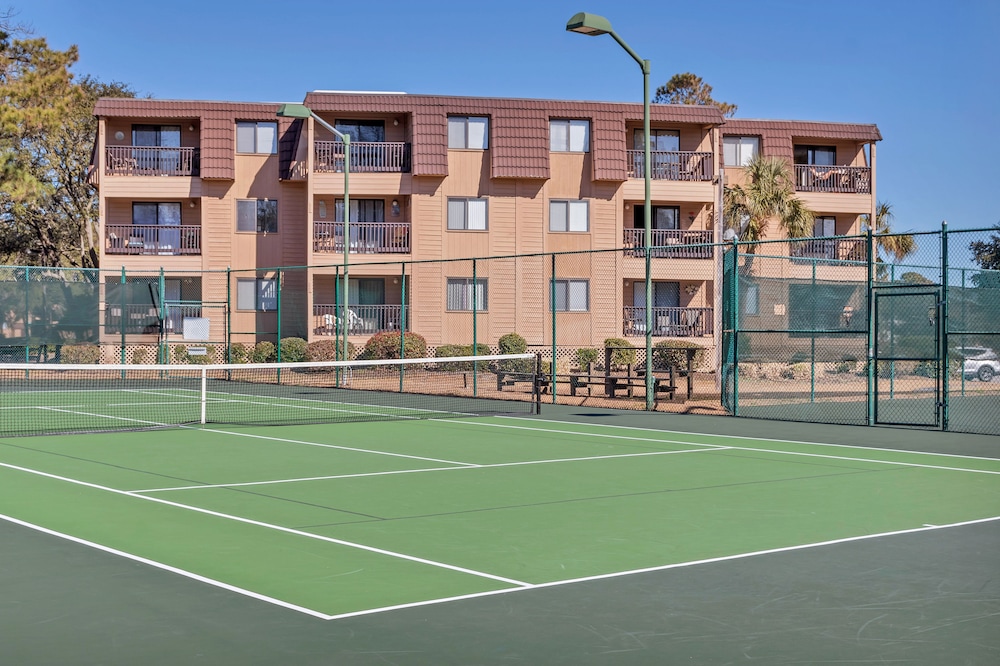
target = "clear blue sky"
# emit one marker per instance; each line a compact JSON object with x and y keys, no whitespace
{"x":927,"y":73}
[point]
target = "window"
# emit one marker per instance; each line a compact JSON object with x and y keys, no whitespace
{"x":463,"y":294}
{"x":468,"y":132}
{"x":818,"y":155}
{"x":569,"y":136}
{"x":372,"y":131}
{"x":467,"y":214}
{"x":257,"y":294}
{"x":751,"y":300}
{"x":254,"y":137}
{"x":168,"y":136}
{"x":569,"y":216}
{"x":165,"y":215}
{"x":572,"y":295}
{"x":663,"y":217}
{"x":362,"y":210}
{"x":156,"y":138}
{"x":662,"y":140}
{"x":825,"y":226}
{"x":739,"y":150}
{"x":257,"y":215}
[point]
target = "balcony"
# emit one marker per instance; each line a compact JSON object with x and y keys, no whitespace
{"x":366,"y":157}
{"x":668,"y":322}
{"x":150,"y":239}
{"x":362,"y":319}
{"x":366,"y":237}
{"x":675,"y":243}
{"x":144,"y":318}
{"x":842,"y":179}
{"x":671,"y":165}
{"x":828,"y":250}
{"x":151,"y":161}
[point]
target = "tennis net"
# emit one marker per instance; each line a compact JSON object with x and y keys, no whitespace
{"x":61,"y":398}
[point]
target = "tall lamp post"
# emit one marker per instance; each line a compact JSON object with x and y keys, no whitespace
{"x":303,"y":111}
{"x":594,"y":25}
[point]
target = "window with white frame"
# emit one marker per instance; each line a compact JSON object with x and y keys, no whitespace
{"x":257,"y":137}
{"x":468,"y":132}
{"x":569,"y":216}
{"x":569,"y":136}
{"x":572,"y":295}
{"x":739,"y":150}
{"x":466,"y":294}
{"x":259,"y":294}
{"x":467,"y":214}
{"x":751,"y":300}
{"x":257,"y":215}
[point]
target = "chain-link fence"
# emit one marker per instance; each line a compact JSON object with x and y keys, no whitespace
{"x":893,"y":329}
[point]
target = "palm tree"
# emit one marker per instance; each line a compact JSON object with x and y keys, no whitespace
{"x":886,"y":242}
{"x":769,"y":193}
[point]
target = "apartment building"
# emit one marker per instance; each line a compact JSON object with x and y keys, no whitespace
{"x":191,"y":189}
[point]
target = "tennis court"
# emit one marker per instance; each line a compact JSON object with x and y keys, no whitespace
{"x":574,"y":536}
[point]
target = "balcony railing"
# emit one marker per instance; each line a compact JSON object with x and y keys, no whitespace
{"x":848,"y":179}
{"x":668,"y":322}
{"x":676,"y":243}
{"x":146,"y":318}
{"x":671,"y":165}
{"x":151,"y":161}
{"x":366,"y":157}
{"x":152,"y":239}
{"x":828,"y":250}
{"x":366,"y":237}
{"x":362,"y":319}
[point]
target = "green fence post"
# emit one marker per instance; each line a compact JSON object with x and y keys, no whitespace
{"x":27,"y":312}
{"x":943,"y":325}
{"x":402,"y":322}
{"x":734,"y":299}
{"x":121,"y":321}
{"x":961,"y":372}
{"x":475,"y":340}
{"x":870,"y":379}
{"x":277,"y":285}
{"x":229,"y":319}
{"x":812,"y":340}
{"x":552,"y":306}
{"x":163,"y":351}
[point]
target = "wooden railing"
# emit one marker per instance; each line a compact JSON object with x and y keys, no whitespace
{"x":366,"y":156}
{"x":677,"y":243}
{"x":832,"y":250}
{"x":366,"y":237}
{"x":152,"y":239}
{"x":151,"y":161}
{"x":362,"y":319}
{"x":146,"y":318}
{"x":848,"y":179}
{"x":668,"y":322}
{"x":671,"y":165}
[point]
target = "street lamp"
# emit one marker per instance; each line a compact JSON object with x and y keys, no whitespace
{"x":302,"y":111}
{"x":594,"y":25}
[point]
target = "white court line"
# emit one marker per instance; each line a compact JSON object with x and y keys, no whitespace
{"x":744,"y":448}
{"x":519,"y":463}
{"x":756,"y":439}
{"x":166,"y":567}
{"x":666,"y":567}
{"x":277,"y":528}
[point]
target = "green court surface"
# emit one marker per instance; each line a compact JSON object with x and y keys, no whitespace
{"x":459,"y":540}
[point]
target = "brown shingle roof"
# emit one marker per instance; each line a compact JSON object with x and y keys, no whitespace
{"x":519,"y":132}
{"x":778,"y":136}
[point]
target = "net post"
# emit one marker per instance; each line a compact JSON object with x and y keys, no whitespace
{"x":121,"y":320}
{"x":870,"y":279}
{"x":229,"y":318}
{"x":943,"y":319}
{"x":536,"y":383}
{"x":163,"y":349}
{"x":204,"y":395}
{"x":475,"y":341}
{"x":552,"y":304}
{"x":402,"y":322}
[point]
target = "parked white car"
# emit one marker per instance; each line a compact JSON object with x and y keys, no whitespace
{"x":979,"y":362}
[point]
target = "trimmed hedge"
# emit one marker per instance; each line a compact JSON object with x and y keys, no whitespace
{"x":445,"y":351}
{"x":88,"y":354}
{"x":385,"y":345}
{"x":293,"y":350}
{"x":264,"y":352}
{"x":623,"y":355}
{"x":669,"y":352}
{"x":327,"y":350}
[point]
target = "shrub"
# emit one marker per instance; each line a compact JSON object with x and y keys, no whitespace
{"x":264,"y":352}
{"x":445,"y":351}
{"x":622,"y":353}
{"x":512,"y":343}
{"x":238,"y":353}
{"x":668,"y":353}
{"x":202,"y":359}
{"x":293,"y":350}
{"x":385,"y":345}
{"x":89,"y":354}
{"x":586,"y":356}
{"x":180,"y":353}
{"x":843,"y":367}
{"x":327,"y":350}
{"x":143,"y":355}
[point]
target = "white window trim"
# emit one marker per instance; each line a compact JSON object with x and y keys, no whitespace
{"x":469,"y":288}
{"x":271,"y":150}
{"x":260,"y":286}
{"x":465,"y":214}
{"x":257,"y":229}
{"x":738,"y":139}
{"x":465,"y":141}
{"x":570,"y":124}
{"x":569,"y":305}
{"x":568,"y":206}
